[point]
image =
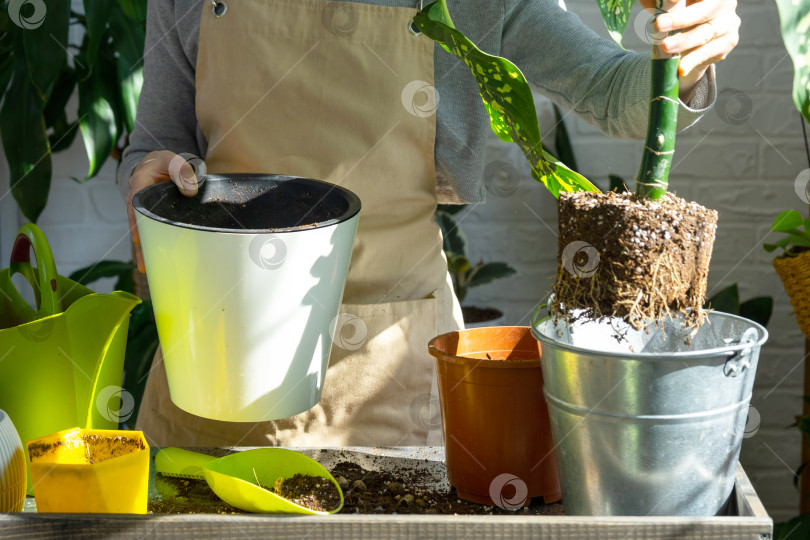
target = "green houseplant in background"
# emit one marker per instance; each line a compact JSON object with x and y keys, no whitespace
{"x":466,"y":275}
{"x":39,"y":71}
{"x":793,"y":266}
{"x":727,"y":300}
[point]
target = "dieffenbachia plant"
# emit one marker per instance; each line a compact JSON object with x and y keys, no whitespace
{"x":507,"y":97}
{"x":795,"y":22}
{"x":662,"y":123}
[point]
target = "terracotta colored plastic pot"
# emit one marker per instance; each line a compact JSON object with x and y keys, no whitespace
{"x":497,"y":435}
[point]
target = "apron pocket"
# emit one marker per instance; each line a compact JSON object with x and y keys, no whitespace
{"x":380,"y":374}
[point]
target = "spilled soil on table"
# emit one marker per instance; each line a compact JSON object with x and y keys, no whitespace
{"x":364,"y":492}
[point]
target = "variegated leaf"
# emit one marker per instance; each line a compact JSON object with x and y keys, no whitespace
{"x":507,"y":98}
{"x":616,"y":14}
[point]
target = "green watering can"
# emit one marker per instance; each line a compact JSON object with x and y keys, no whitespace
{"x":61,"y":364}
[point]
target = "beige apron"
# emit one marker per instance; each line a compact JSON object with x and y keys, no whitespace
{"x":340,"y":92}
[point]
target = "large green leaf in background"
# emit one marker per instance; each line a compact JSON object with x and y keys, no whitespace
{"x":616,"y":14}
{"x":489,"y":272}
{"x":106,"y":269}
{"x":134,"y":9}
{"x":507,"y":98}
{"x":56,"y":114}
{"x":757,"y":309}
{"x":795,"y":20}
{"x":46,"y":47}
{"x":27,"y":152}
{"x":129,"y":43}
{"x":97,"y":13}
{"x":795,"y":529}
{"x":142,"y":343}
{"x":453,"y":240}
{"x":97,"y":117}
{"x":7,"y":37}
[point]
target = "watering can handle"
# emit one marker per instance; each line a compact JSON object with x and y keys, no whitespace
{"x":46,"y":286}
{"x":178,"y":462}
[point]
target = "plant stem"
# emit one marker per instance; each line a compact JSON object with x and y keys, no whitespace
{"x":662,"y":122}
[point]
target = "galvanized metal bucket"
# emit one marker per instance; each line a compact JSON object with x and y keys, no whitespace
{"x":648,"y":423}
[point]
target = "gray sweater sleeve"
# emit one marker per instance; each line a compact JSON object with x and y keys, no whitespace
{"x":578,"y":70}
{"x":166,"y":117}
{"x":559,"y":55}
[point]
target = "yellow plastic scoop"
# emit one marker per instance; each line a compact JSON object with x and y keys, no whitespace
{"x":238,"y":478}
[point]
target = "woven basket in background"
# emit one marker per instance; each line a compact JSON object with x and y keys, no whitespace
{"x":795,"y":275}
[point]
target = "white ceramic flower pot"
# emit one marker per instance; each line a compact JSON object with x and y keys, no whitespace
{"x":246,"y":278}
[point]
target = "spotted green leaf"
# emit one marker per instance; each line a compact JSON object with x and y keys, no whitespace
{"x":507,"y":98}
{"x":616,"y":13}
{"x":795,"y":21}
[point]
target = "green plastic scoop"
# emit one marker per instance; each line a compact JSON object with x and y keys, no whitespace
{"x":235,"y":478}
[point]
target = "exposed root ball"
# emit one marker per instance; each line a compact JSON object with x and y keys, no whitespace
{"x":620,"y":256}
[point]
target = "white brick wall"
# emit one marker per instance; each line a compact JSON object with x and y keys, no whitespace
{"x":745,"y":169}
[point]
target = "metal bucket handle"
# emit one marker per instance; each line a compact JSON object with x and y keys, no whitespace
{"x":740,"y":360}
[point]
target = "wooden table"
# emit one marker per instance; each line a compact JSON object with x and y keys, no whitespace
{"x":748,"y":521}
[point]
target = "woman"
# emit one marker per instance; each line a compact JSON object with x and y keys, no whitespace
{"x":343,"y":92}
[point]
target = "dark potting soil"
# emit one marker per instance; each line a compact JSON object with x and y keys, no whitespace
{"x":364,"y":492}
{"x":186,"y":496}
{"x":476,"y":315}
{"x":376,"y":492}
{"x":190,"y":496}
{"x":313,"y":492}
{"x":250,"y":204}
{"x":97,"y":447}
{"x":620,"y":256}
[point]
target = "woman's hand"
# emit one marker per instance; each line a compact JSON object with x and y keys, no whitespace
{"x":709,"y":31}
{"x":157,"y":167}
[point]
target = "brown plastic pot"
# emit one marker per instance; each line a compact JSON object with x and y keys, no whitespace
{"x":497,"y":435}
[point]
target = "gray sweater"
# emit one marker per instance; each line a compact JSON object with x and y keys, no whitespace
{"x":560,"y":57}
